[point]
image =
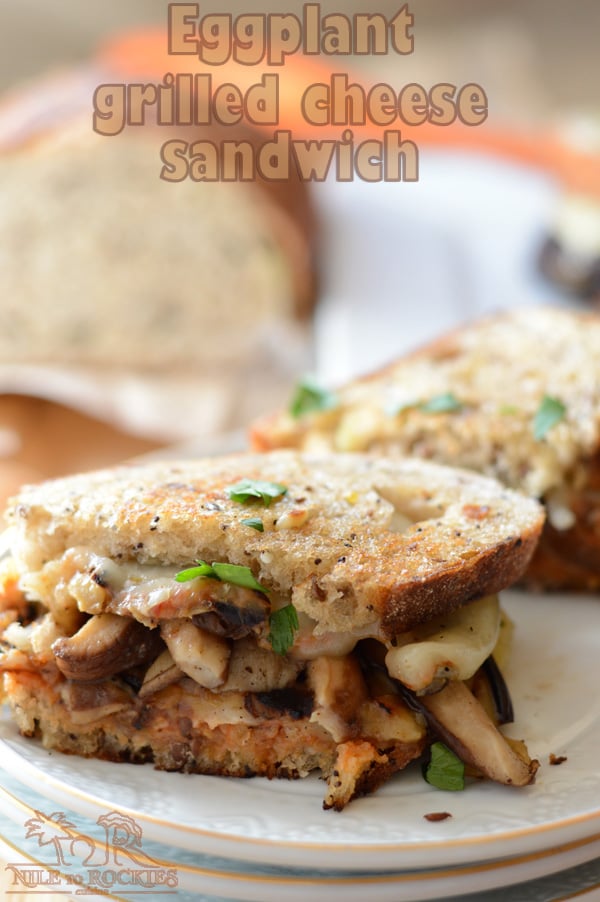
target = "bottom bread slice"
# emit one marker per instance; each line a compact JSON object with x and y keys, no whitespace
{"x":240,"y":735}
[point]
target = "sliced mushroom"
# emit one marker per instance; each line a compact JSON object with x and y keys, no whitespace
{"x":198,"y":653}
{"x":88,"y":702}
{"x":162,"y":673}
{"x":256,"y":669}
{"x":294,"y":703}
{"x":464,"y":726}
{"x":339,"y":690}
{"x":388,"y":719}
{"x":160,"y":598}
{"x":105,"y":645}
{"x":235,"y":618}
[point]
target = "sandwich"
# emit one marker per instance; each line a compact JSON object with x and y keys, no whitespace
{"x":515,"y":396}
{"x":265,"y":615}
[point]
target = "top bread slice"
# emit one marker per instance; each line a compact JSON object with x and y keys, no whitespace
{"x":353,"y":540}
{"x":515,"y":396}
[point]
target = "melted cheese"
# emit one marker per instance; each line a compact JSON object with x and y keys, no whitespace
{"x":453,"y":647}
{"x":450,"y":648}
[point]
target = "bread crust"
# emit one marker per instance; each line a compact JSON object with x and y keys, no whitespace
{"x":498,"y":370}
{"x":355,"y":539}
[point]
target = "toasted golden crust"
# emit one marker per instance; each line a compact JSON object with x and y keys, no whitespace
{"x":495,"y":375}
{"x":354,"y":541}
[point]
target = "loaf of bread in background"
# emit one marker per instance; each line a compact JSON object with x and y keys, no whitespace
{"x":197,"y":294}
{"x":105,"y":263}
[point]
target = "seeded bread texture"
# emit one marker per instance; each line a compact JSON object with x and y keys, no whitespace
{"x":355,"y":539}
{"x":494,"y":375}
{"x":498,"y":370}
{"x":142,"y":273}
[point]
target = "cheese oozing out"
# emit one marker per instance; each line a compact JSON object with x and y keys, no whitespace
{"x":451,"y":647}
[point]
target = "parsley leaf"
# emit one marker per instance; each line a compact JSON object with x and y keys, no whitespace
{"x":310,"y":397}
{"x":254,"y":523}
{"x":234,"y":574}
{"x":248,"y":489}
{"x":445,"y":403}
{"x":550,"y":412}
{"x":284,"y":624}
{"x":445,"y":770}
{"x":237,"y":576}
{"x":202,"y":569}
{"x":397,"y":407}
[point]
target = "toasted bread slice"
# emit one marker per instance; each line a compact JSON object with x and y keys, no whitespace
{"x":515,"y":396}
{"x":234,"y":616}
{"x":352,"y":540}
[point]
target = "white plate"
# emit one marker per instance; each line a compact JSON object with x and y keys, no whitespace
{"x":199,"y":875}
{"x":552,"y":676}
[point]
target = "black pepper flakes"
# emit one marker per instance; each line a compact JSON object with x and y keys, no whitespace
{"x":97,"y":577}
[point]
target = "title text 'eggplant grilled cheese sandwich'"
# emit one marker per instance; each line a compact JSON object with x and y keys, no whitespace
{"x":265,"y":615}
{"x":515,"y":396}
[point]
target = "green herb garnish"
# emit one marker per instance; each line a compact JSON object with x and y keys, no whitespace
{"x":254,"y":523}
{"x":395,"y":408}
{"x":508,"y":410}
{"x":445,"y":403}
{"x":310,"y":397}
{"x":234,"y":574}
{"x":284,"y":624}
{"x":445,"y":770}
{"x":249,"y":489}
{"x":201,"y":569}
{"x":550,"y":412}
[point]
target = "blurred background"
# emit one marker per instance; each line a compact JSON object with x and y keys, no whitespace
{"x":136,"y":315}
{"x":536,"y":57}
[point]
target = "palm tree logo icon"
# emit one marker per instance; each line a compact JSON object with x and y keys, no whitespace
{"x":54,"y":829}
{"x":122,"y":839}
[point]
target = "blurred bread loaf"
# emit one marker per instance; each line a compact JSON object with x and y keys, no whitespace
{"x":166,"y":310}
{"x":103,"y":263}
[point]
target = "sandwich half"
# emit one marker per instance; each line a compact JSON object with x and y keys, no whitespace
{"x":265,"y":615}
{"x":515,"y":396}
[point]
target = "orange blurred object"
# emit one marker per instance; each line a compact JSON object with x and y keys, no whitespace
{"x":143,"y":53}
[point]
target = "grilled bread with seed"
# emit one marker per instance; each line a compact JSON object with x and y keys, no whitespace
{"x":259,"y":614}
{"x":515,"y":396}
